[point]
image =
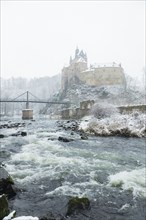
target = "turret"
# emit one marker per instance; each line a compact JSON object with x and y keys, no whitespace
{"x":76,"y":52}
{"x":70,"y":61}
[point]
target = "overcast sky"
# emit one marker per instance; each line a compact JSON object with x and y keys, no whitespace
{"x":38,"y":37}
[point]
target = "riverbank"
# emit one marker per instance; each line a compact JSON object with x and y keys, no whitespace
{"x":124,"y":125}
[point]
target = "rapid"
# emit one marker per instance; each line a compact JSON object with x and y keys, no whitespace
{"x":109,"y":171}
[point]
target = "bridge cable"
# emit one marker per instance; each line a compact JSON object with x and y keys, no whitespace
{"x":19,"y":96}
{"x":34,"y":96}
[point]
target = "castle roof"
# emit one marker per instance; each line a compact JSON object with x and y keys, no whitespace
{"x":80,"y":56}
{"x":98,"y":65}
{"x":79,"y":59}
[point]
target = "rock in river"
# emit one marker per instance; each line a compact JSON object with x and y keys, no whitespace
{"x":64,"y":139}
{"x":6,"y":183}
{"x":2,"y":136}
{"x":75,"y":204}
{"x":4,"y":210}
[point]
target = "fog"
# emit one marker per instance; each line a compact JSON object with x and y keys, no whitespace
{"x":38,"y":37}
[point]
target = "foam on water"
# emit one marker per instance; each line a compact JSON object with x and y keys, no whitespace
{"x":84,"y":189}
{"x":133,"y":180}
{"x":50,"y":159}
{"x":125,"y":206}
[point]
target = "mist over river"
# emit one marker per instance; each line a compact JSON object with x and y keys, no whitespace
{"x":109,"y":171}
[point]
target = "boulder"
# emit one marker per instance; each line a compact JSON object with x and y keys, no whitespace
{"x":15,"y":134}
{"x":76,"y":204}
{"x":84,"y":136}
{"x":4,"y":154}
{"x":23,"y":133}
{"x":48,"y":218}
{"x":18,"y":133}
{"x":64,"y":139}
{"x":4,"y":210}
{"x":12,"y":125}
{"x":6,"y":184}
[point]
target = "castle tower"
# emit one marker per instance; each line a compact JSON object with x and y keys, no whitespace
{"x":70,"y":61}
{"x":70,"y":74}
{"x":76,"y":52}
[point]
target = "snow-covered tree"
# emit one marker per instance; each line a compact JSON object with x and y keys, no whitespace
{"x":103,"y":110}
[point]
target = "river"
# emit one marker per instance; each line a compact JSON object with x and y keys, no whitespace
{"x":109,"y":171}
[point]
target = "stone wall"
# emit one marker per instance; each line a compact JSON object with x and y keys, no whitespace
{"x":86,"y":106}
{"x":130,"y":109}
{"x":80,"y":112}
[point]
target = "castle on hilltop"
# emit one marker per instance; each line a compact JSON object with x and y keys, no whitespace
{"x":97,"y":75}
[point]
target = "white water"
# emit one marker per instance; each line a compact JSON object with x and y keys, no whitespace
{"x":134,"y":181}
{"x":41,"y":158}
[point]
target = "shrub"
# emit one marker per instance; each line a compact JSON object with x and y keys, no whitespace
{"x":103,"y":110}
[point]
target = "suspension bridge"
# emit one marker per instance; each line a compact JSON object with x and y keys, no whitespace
{"x":27,"y":113}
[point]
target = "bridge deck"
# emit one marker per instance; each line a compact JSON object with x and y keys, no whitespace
{"x":33,"y":101}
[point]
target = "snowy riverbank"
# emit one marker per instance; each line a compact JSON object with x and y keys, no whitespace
{"x":128,"y":125}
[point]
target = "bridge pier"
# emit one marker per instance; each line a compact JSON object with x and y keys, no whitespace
{"x":27,"y":114}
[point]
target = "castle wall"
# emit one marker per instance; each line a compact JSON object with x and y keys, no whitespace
{"x":103,"y":76}
{"x":100,"y":76}
{"x":64,"y":79}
